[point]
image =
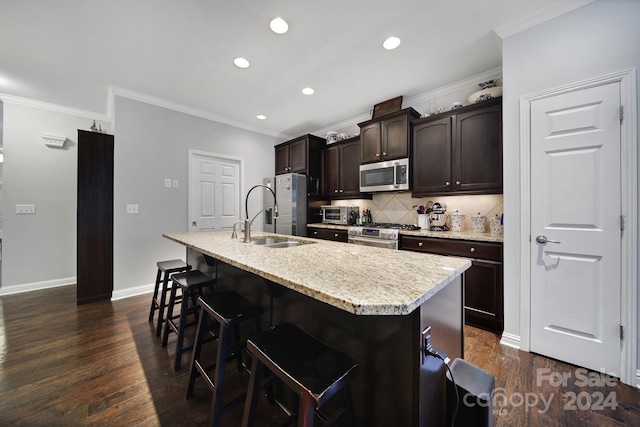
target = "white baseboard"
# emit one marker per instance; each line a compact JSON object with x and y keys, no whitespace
{"x":510,"y":340}
{"x":638,"y":378}
{"x":132,"y":292}
{"x":35,"y":286}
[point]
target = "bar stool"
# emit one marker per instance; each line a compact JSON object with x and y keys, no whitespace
{"x":191,"y":284}
{"x":227,"y":310}
{"x":314,"y":371}
{"x":159,"y":302}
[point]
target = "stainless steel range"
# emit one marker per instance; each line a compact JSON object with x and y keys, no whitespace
{"x":381,"y":235}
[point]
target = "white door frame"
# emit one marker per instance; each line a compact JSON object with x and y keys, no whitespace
{"x":191,"y":153}
{"x":629,"y":242}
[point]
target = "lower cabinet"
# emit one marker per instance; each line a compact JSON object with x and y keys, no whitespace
{"x":483,"y":284}
{"x":328,"y":234}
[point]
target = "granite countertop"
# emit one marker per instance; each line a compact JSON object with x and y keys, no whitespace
{"x":464,"y":235}
{"x":361,"y":280}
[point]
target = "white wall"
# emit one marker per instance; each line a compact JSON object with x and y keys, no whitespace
{"x":597,"y":39}
{"x":39,"y":250}
{"x":151,"y":144}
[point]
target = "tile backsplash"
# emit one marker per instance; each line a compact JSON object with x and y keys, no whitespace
{"x":401,"y":208}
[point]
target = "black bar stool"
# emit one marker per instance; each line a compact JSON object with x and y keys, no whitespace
{"x":314,"y":371}
{"x":159,"y":300}
{"x":226,"y":310}
{"x":191,"y":284}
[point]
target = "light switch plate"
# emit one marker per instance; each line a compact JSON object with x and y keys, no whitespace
{"x":167,"y":182}
{"x":175,"y":183}
{"x":132,"y":209}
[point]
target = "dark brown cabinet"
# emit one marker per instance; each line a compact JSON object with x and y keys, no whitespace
{"x":483,"y":282}
{"x":459,"y":152}
{"x":341,"y":169}
{"x":328,"y":234}
{"x":386,"y":138}
{"x":301,"y":155}
{"x":94,"y":217}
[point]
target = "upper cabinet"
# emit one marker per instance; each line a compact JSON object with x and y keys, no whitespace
{"x":301,"y":155}
{"x":459,"y":152}
{"x":340,"y":169}
{"x":388,"y":137}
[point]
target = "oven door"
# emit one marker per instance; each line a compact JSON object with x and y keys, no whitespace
{"x":378,"y":243}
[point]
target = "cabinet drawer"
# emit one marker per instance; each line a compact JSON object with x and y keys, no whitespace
{"x":464,"y":248}
{"x":328,"y":234}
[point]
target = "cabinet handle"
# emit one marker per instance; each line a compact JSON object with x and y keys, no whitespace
{"x":420,"y":244}
{"x":377,"y":154}
{"x":457,"y":182}
{"x":341,"y":191}
{"x":472,"y":250}
{"x":384,"y":153}
{"x":447,"y":183}
{"x":315,"y":233}
{"x":335,"y":191}
{"x":335,"y":235}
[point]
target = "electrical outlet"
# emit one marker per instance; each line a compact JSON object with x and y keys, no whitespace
{"x":167,"y":182}
{"x":25,"y":209}
{"x":175,"y":183}
{"x":132,"y":209}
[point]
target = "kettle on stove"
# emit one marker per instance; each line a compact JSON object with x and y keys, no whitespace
{"x":438,"y":217}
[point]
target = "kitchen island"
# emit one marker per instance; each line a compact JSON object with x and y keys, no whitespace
{"x":370,"y":303}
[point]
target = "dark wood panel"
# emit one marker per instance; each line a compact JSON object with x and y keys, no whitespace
{"x":95,"y":216}
{"x":395,"y":138}
{"x":328,"y":234}
{"x":330,"y":158}
{"x":370,"y":139}
{"x":431,"y":160}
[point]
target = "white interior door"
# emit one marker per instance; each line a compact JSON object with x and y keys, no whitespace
{"x":214,"y":191}
{"x":576,"y":205}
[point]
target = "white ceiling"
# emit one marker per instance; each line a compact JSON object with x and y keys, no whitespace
{"x":68,"y":52}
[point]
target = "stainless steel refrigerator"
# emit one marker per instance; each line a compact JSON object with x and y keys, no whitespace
{"x":291,"y":194}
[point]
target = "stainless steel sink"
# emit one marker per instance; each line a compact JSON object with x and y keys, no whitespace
{"x":277,"y":242}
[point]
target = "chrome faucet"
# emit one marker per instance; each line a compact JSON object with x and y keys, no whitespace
{"x":247,"y":223}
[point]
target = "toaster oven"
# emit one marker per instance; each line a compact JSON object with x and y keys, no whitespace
{"x":343,"y":215}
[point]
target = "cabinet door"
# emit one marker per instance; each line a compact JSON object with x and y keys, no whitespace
{"x":350,"y":169}
{"x":477,"y":150}
{"x":330,"y":159}
{"x":370,"y":139}
{"x":298,"y":156}
{"x":431,"y":162}
{"x":484,"y":295}
{"x":282,"y":159}
{"x":395,"y":138}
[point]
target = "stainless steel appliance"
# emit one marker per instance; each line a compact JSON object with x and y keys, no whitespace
{"x":291,"y":194}
{"x":438,"y":217}
{"x":392,"y":175}
{"x":344,"y":215}
{"x":382,"y":235}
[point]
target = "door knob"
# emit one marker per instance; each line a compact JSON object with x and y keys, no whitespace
{"x":543,"y":239}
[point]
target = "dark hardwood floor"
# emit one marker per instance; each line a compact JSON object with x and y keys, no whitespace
{"x":101,"y":364}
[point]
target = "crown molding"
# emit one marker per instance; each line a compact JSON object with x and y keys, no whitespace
{"x":26,"y":102}
{"x":421,"y":97}
{"x":163,"y":103}
{"x":537,"y":18}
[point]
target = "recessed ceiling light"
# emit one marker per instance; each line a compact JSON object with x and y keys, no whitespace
{"x":261,"y":117}
{"x":279,"y":25}
{"x":241,"y":63}
{"x":391,"y":43}
{"x":308,"y":91}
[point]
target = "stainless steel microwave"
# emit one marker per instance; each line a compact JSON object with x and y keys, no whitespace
{"x":344,"y":215}
{"x":392,"y":175}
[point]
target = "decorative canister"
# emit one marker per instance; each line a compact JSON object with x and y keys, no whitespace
{"x":479,"y":223}
{"x":495,"y":225}
{"x":457,"y":220}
